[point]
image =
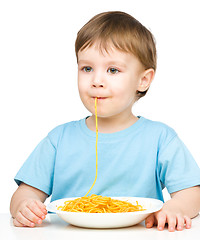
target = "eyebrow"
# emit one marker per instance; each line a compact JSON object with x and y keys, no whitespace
{"x":84,"y":61}
{"x":115,"y":63}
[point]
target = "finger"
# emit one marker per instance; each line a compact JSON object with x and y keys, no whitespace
{"x":180,"y":223}
{"x":161,"y":219}
{"x":17,"y":223}
{"x":188,"y":222}
{"x":31,"y":216}
{"x":23,"y":220}
{"x":33,"y":207}
{"x":41,"y":206}
{"x":171,"y":219}
{"x":149,"y":221}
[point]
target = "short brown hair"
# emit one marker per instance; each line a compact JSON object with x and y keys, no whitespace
{"x":124,"y":32}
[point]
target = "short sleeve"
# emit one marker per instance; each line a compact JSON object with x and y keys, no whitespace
{"x":177,"y":168}
{"x":38,"y":169}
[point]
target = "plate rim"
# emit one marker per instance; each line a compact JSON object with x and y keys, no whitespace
{"x":49,"y":206}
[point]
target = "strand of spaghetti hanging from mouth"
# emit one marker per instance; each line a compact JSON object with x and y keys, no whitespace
{"x":96,"y":120}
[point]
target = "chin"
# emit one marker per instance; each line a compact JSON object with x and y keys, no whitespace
{"x":104,"y":115}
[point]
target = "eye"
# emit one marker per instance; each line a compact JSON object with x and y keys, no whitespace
{"x":113,"y":70}
{"x":87,"y":69}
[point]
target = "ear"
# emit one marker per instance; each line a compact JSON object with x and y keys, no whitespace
{"x":146,"y":80}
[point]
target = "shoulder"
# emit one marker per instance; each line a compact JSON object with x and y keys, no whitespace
{"x":56,"y":133}
{"x":158,"y":126}
{"x":161,"y":130}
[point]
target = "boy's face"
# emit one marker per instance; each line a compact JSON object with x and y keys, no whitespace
{"x":113,"y":77}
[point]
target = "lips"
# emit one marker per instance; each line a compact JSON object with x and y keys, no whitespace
{"x":100,"y":98}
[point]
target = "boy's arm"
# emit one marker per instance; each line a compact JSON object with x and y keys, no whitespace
{"x":26,"y":206}
{"x":179,"y":210}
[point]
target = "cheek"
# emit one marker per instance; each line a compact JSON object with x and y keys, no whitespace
{"x":84,"y":82}
{"x":125,"y":95}
{"x":82,"y":86}
{"x":124,"y":91}
{"x":83,"y":93}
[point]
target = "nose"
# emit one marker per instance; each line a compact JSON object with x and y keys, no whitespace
{"x":98,"y":82}
{"x":98,"y":85}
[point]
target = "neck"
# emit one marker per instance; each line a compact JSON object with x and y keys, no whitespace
{"x":111,"y":124}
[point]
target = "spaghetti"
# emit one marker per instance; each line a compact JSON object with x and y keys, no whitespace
{"x":96,"y":147}
{"x":97,"y":203}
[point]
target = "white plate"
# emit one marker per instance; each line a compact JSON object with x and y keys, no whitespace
{"x":107,"y":220}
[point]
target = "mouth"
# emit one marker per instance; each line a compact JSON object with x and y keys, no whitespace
{"x":100,"y":98}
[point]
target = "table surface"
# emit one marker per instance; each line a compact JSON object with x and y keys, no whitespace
{"x":55,"y":228}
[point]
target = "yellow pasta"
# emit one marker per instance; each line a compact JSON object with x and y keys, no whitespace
{"x":96,"y":147}
{"x":98,"y":203}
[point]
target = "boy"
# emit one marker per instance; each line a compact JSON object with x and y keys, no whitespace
{"x":116,"y":58}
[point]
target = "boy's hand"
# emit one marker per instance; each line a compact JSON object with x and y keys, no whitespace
{"x":29,"y":213}
{"x":172,"y":214}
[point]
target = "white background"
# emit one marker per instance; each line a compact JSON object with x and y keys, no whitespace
{"x":38,"y":72}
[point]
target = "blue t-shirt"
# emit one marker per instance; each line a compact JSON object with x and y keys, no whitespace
{"x":138,"y":161}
